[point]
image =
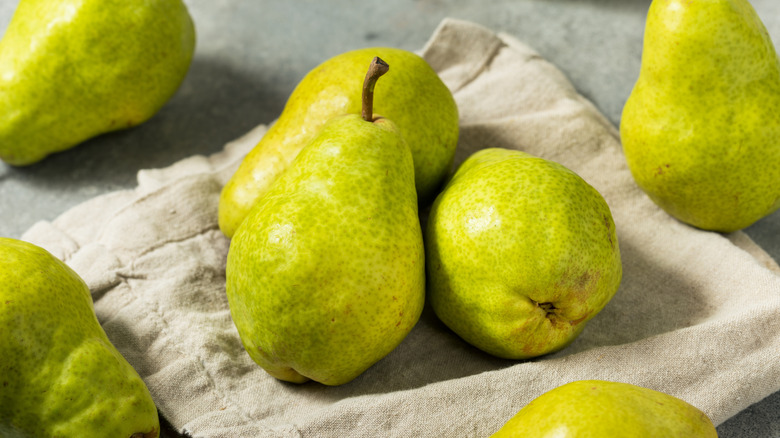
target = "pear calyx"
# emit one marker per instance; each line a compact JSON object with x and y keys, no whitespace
{"x":376,"y":69}
{"x":151,"y":434}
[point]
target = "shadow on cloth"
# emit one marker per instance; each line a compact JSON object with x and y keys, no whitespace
{"x":433,"y":353}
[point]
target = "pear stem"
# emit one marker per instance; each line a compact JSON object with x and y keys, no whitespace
{"x":375,"y":70}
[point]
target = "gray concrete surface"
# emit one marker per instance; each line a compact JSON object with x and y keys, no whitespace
{"x":251,"y":54}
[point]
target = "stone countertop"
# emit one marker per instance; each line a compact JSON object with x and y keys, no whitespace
{"x":250,"y":56}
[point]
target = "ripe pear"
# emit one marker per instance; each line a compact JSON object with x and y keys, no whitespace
{"x":597,"y":408}
{"x":521,"y":253}
{"x":73,"y":69}
{"x":326,"y":275}
{"x":412,"y":96}
{"x":700,"y":130}
{"x":60,"y":376}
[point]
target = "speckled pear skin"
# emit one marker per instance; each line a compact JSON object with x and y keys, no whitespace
{"x":73,"y":69}
{"x":700,"y":129}
{"x":326,"y":275}
{"x":521,"y":253}
{"x":60,"y":376}
{"x":597,"y":408}
{"x":410,"y":94}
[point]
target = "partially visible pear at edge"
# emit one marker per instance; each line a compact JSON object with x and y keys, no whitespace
{"x":598,"y":408}
{"x":700,"y":130}
{"x":60,"y":376}
{"x":73,"y":69}
{"x":412,"y":96}
{"x":326,"y":275}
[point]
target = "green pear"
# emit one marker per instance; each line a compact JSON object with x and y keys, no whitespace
{"x":413,"y":97}
{"x":597,"y":408}
{"x":60,"y":376}
{"x":700,"y":130}
{"x":326,"y":274}
{"x":520,"y":254}
{"x":73,"y":69}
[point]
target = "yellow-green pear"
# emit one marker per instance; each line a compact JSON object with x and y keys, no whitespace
{"x":597,"y":408}
{"x":521,"y":253}
{"x":700,"y":130}
{"x":412,"y":96}
{"x":73,"y":69}
{"x":60,"y":376}
{"x":326,"y":274}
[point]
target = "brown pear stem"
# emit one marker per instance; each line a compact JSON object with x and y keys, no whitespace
{"x":375,"y":70}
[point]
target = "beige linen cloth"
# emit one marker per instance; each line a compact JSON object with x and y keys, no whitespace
{"x":697,"y":314}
